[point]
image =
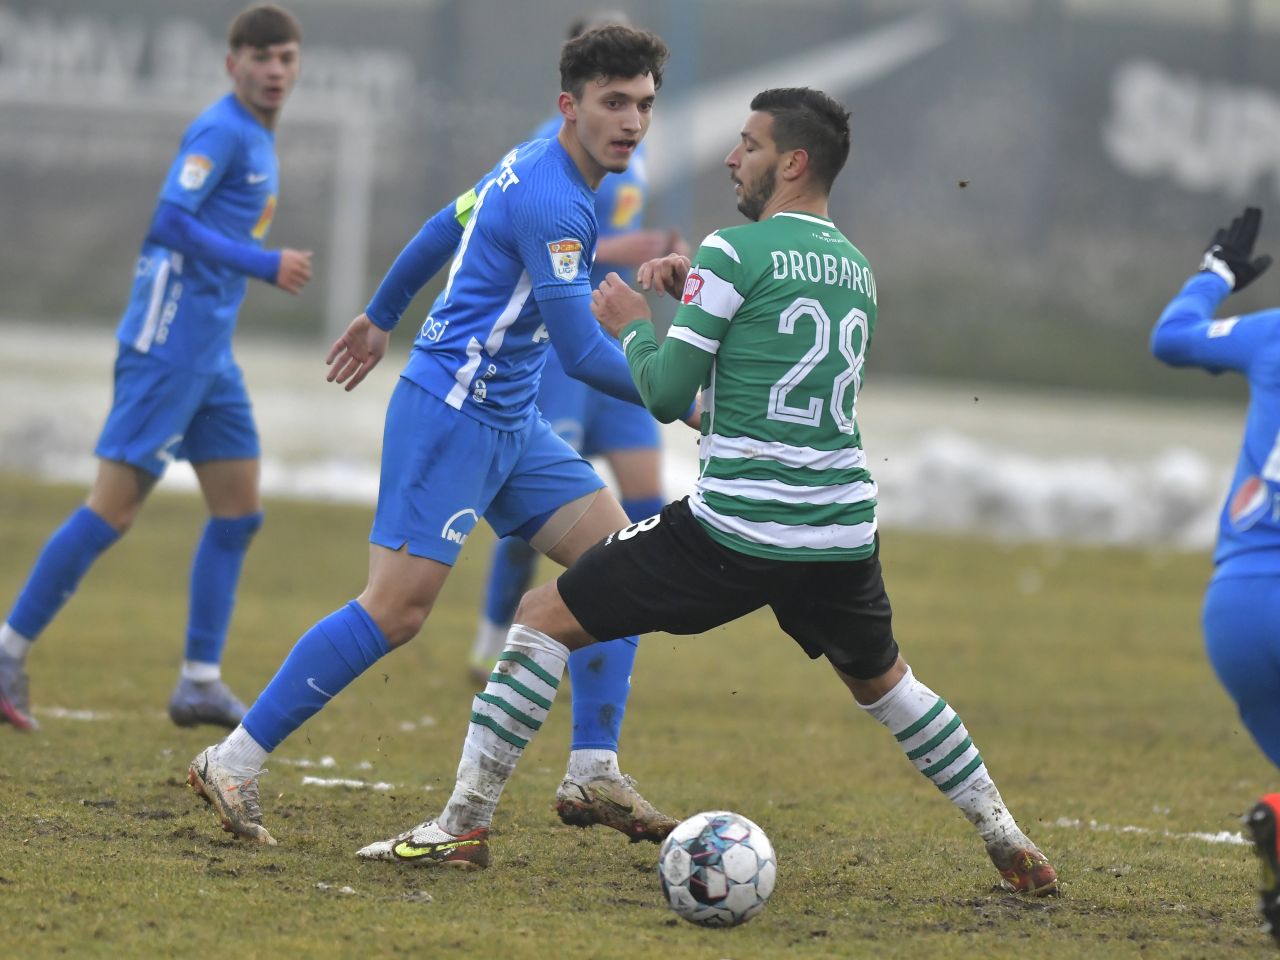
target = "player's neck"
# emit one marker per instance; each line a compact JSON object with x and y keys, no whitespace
{"x":265,"y":117}
{"x":796,"y":201}
{"x":591,"y":171}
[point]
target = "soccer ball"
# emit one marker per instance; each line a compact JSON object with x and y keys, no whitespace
{"x":717,"y":869}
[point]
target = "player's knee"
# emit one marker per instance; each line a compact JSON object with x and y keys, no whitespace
{"x":540,"y":608}
{"x":234,"y":533}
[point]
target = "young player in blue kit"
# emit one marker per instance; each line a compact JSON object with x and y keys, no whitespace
{"x":178,"y":390}
{"x":1241,"y":615}
{"x":463,"y":438}
{"x":626,"y":435}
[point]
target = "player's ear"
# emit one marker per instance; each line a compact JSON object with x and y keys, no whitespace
{"x":795,"y":164}
{"x":231,"y":63}
{"x":568,"y":106}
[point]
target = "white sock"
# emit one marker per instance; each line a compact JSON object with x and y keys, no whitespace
{"x":504,"y":718}
{"x":200,"y":672}
{"x":936,"y":741}
{"x":241,"y":752}
{"x":587,"y":764}
{"x":14,"y":644}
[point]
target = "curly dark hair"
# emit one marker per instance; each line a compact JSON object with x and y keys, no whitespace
{"x":612,"y":50}
{"x":263,"y":26}
{"x":809,"y":120}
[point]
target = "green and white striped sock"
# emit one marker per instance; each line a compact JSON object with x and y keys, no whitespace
{"x":504,"y":718}
{"x":936,"y":741}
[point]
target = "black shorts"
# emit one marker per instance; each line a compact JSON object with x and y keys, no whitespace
{"x":666,"y":573}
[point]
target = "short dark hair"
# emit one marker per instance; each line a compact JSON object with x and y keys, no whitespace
{"x":809,"y":120}
{"x":612,"y":50}
{"x":263,"y":26}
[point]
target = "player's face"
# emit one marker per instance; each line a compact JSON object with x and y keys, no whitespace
{"x":263,"y":76}
{"x":612,"y":118}
{"x":753,"y":165}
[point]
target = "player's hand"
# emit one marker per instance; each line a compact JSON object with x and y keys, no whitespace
{"x":295,"y":270}
{"x":1230,"y":253}
{"x":615,"y":304}
{"x":665,"y":274}
{"x":356,"y":352}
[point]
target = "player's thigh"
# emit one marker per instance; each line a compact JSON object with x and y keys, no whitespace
{"x":118,"y":493}
{"x":223,"y":428}
{"x":547,"y":491}
{"x":152,"y":408}
{"x":230,"y":487}
{"x":663,"y":573}
{"x":1241,"y":621}
{"x":627,"y":436}
{"x":638,"y":473}
{"x":439,"y":474}
{"x":839,"y":610}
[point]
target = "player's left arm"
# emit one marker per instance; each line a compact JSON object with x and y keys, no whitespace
{"x":668,"y":376}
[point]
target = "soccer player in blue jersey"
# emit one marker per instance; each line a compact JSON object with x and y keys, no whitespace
{"x":594,"y":424}
{"x":1241,"y":616}
{"x":178,"y":390}
{"x":463,"y":438}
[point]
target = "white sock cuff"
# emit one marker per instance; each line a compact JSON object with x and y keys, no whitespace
{"x":899,"y":689}
{"x":241,"y":751}
{"x":521,"y":636}
{"x":201,"y":672}
{"x":13,"y":643}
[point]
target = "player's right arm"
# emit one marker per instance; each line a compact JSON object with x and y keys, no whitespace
{"x":1187,"y":334}
{"x":364,"y":343}
{"x":205,"y":156}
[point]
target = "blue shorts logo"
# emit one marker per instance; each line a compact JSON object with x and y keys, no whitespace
{"x":458,"y":527}
{"x":1248,"y":504}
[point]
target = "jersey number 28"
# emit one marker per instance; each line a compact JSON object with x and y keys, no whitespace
{"x":855,"y":321}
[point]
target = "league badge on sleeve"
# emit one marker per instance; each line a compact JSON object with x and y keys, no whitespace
{"x":566,"y":257}
{"x":195,"y":171}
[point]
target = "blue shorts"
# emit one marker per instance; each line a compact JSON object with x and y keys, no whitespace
{"x":443,"y":470}
{"x":161,"y":413}
{"x":591,"y":422}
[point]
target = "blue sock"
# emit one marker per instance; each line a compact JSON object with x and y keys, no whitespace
{"x":643,"y":508}
{"x":57,"y":572}
{"x":601,"y":678}
{"x":215,"y":572}
{"x":601,"y":673}
{"x":509,"y":575}
{"x":324,"y":660}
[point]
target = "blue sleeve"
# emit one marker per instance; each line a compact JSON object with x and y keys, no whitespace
{"x":1186,"y":335}
{"x":555,"y":240}
{"x":418,"y":262}
{"x":202,"y":162}
{"x":177,"y":228}
{"x":584,"y":351}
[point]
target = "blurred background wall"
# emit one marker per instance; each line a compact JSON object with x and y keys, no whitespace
{"x":1030,"y":178}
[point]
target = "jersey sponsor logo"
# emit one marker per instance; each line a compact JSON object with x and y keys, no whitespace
{"x":459,"y":526}
{"x":1222,"y":328}
{"x":195,"y":171}
{"x":566,"y":257}
{"x":255,"y":178}
{"x":1249,"y":503}
{"x":692,"y":289}
{"x":627,"y":206}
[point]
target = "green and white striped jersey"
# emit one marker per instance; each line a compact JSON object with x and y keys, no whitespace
{"x":787,"y":307}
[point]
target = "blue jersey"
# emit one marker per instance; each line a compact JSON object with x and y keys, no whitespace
{"x":619,"y":202}
{"x":183,"y":309}
{"x":530,"y":236}
{"x":1188,"y":335}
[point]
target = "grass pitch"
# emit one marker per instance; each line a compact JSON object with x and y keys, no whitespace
{"x":1079,"y":673}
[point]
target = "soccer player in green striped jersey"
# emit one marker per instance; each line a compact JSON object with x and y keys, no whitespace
{"x":775,"y":321}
